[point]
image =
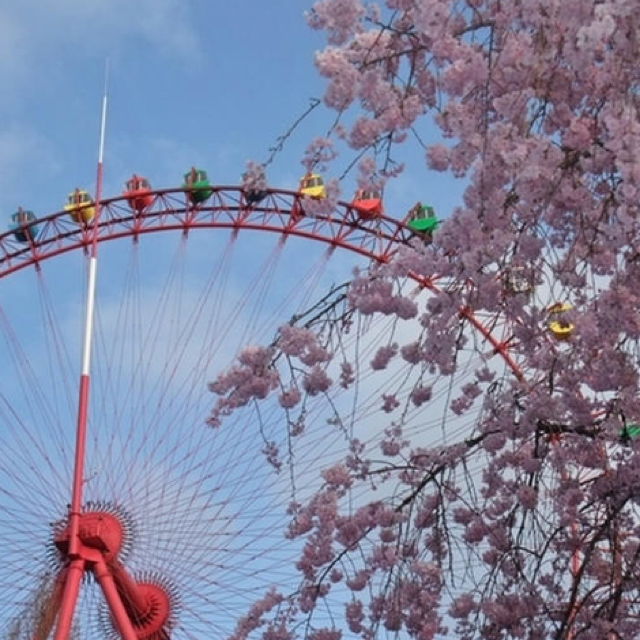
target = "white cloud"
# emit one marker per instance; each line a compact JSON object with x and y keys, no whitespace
{"x":164,"y":24}
{"x":36,"y":34}
{"x":19,"y":145}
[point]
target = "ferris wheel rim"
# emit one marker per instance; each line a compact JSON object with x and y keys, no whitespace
{"x":172,"y":210}
{"x":226,"y":208}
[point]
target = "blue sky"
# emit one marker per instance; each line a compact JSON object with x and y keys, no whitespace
{"x":191,"y":82}
{"x":198,"y":81}
{"x":212,"y":83}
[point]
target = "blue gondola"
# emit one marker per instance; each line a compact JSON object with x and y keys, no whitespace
{"x":22,"y":230}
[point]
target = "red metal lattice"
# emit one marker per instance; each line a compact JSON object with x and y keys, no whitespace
{"x":226,"y":208}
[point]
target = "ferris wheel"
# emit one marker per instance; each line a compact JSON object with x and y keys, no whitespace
{"x":143,"y":523}
{"x":180,"y":525}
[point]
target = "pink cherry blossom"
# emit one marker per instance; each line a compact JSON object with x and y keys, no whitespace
{"x":383,"y":356}
{"x":316,"y":381}
{"x":337,"y":476}
{"x":289,"y":398}
{"x":501,"y":501}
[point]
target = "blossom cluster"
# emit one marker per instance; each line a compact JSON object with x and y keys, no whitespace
{"x":536,"y":106}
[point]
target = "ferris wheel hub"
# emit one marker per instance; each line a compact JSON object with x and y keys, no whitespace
{"x":151,"y":625}
{"x":150,"y":601}
{"x":99,"y":530}
{"x":104,"y":531}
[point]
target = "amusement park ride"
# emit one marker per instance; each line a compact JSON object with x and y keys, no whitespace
{"x":92,"y":539}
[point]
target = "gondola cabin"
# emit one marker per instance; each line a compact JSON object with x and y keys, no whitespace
{"x":138,"y":193}
{"x":368,"y":203}
{"x":197,"y":184}
{"x":80,"y":206}
{"x":629,"y":432}
{"x":312,"y":185}
{"x":518,"y":280}
{"x":421,"y":219}
{"x":255,"y":196}
{"x":559,"y":324}
{"x":23,"y":230}
{"x":255,"y":193}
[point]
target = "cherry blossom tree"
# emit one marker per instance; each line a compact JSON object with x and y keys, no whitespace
{"x":537,"y":105}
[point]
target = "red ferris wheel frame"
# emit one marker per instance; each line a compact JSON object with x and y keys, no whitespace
{"x":227,"y":208}
{"x":142,"y":610}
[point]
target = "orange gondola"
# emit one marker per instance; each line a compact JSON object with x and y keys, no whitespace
{"x":138,"y":193}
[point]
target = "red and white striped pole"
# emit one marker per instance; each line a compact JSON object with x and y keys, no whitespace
{"x":72,"y":583}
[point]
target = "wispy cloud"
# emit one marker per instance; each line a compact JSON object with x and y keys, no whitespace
{"x":35,"y":34}
{"x":168,"y":25}
{"x":19,"y":145}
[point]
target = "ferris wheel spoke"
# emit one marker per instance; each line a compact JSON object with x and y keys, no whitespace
{"x":58,"y":359}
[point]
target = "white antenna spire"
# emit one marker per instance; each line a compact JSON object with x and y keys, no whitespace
{"x":103,"y":121}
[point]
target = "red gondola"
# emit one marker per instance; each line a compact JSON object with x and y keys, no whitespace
{"x":368,"y":203}
{"x":138,"y":193}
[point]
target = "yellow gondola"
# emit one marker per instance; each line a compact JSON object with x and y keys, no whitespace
{"x":312,"y":185}
{"x":559,"y":325}
{"x":80,"y":206}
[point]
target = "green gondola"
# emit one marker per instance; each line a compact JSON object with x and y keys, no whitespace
{"x":422,"y":219}
{"x":629,"y":432}
{"x":197,"y":183}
